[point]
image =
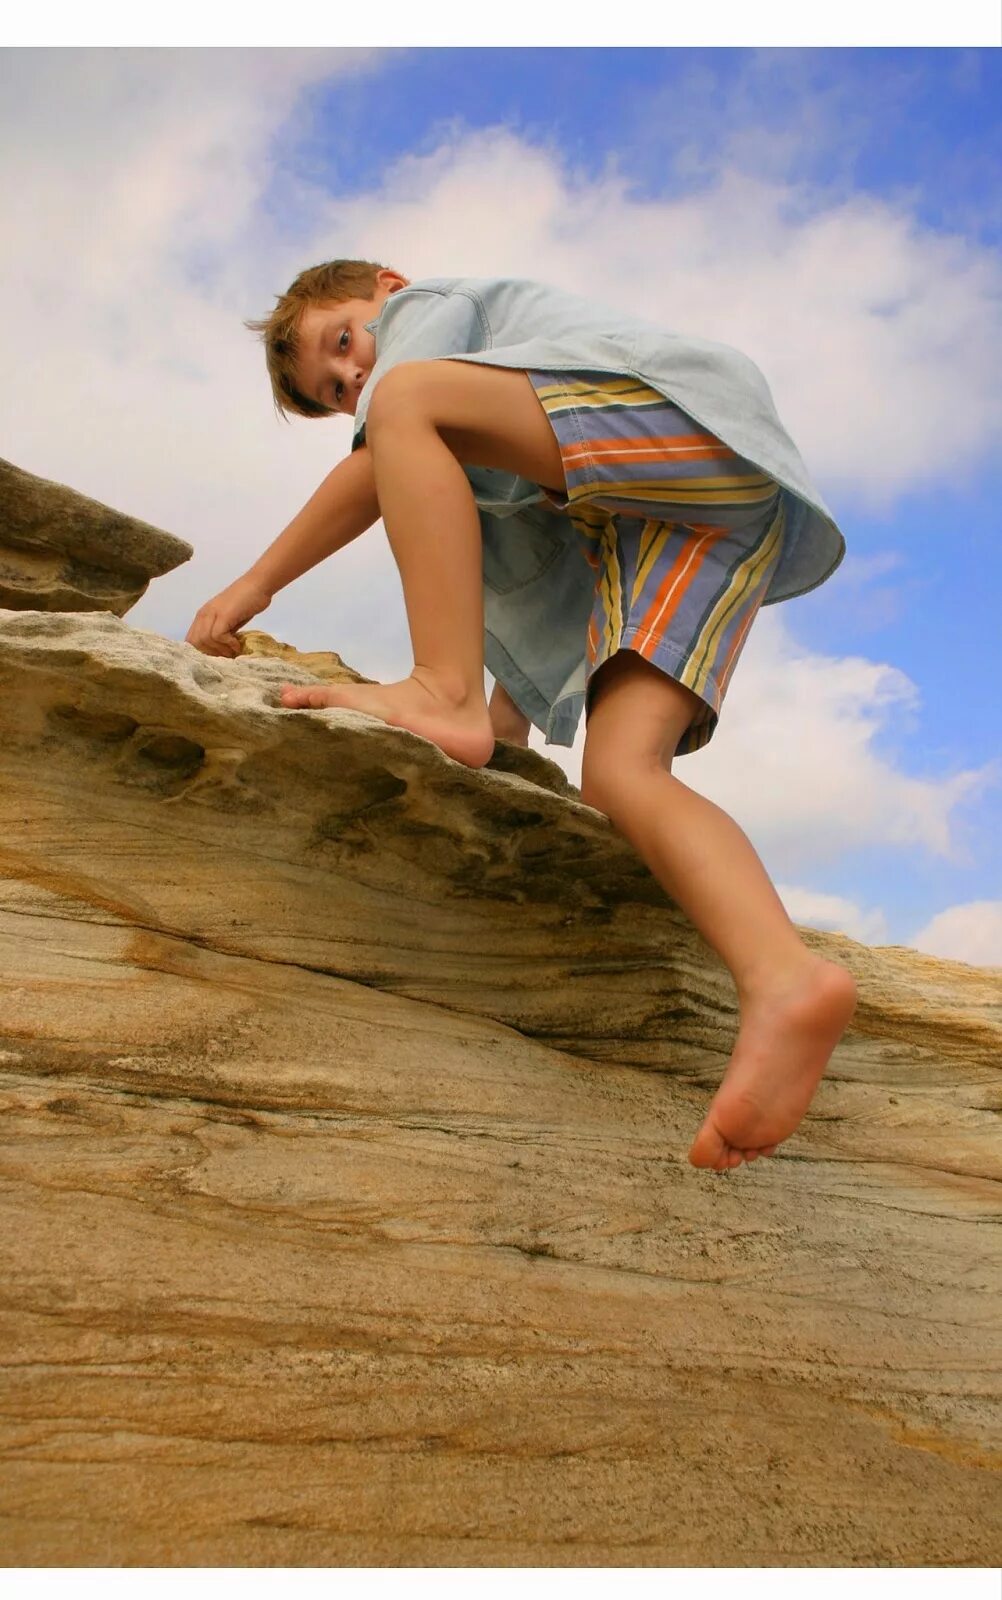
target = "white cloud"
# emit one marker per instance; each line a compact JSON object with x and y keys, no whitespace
{"x":811,"y":758}
{"x":971,"y":932}
{"x":833,"y":913}
{"x":806,"y":756}
{"x":131,"y":184}
{"x":138,"y":235}
{"x":876,"y":334}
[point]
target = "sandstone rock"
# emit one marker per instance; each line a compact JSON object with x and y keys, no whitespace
{"x":347,"y":1215}
{"x":60,"y":551}
{"x":324,"y":664}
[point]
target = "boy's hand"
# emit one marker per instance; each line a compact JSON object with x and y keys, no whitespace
{"x":214,"y":628}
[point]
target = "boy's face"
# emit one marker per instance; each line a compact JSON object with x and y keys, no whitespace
{"x":336,"y":353}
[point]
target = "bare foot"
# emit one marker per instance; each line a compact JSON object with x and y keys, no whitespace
{"x":462,"y":731}
{"x":785,"y":1041}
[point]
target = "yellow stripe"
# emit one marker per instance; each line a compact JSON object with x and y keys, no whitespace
{"x":611,"y":580}
{"x":716,"y":623}
{"x":682,"y":491}
{"x":590,"y":518}
{"x":649,"y":553}
{"x":592,"y":394}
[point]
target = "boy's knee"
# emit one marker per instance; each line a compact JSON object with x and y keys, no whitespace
{"x":400,"y":392}
{"x":610,"y":787}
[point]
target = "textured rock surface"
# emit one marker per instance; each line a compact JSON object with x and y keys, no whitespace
{"x":346,"y":1212}
{"x":60,"y":551}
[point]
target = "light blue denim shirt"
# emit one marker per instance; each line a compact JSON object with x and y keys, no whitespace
{"x":538,"y":587}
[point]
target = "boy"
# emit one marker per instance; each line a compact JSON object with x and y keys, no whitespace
{"x":503,"y":430}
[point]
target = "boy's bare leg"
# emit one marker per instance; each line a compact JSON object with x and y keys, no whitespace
{"x":794,"y":1006}
{"x":424,"y":419}
{"x":508,"y":722}
{"x":432,"y":524}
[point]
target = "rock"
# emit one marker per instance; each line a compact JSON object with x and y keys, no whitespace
{"x":60,"y":551}
{"x":348,"y":1220}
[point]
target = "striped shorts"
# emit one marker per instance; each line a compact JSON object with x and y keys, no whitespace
{"x":684,"y":535}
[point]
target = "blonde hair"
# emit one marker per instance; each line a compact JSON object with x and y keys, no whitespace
{"x":329,"y":282}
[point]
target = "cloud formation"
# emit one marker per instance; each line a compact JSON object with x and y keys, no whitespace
{"x":879,"y":336}
{"x":971,"y":932}
{"x":153,"y":199}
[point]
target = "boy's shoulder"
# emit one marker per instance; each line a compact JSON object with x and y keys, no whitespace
{"x":513,"y":303}
{"x":504,"y":284}
{"x":495,"y":290}
{"x":423,"y":295}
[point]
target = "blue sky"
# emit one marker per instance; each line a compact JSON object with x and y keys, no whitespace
{"x":925,"y":123}
{"x":835,"y":213}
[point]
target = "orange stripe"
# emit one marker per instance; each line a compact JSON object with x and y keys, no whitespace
{"x":686,"y":447}
{"x":674,"y":586}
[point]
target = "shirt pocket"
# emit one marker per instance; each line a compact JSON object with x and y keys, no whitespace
{"x":519,"y":549}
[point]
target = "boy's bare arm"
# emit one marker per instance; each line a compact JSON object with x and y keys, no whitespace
{"x":343,"y":507}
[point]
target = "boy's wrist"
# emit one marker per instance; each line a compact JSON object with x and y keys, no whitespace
{"x":253,"y":578}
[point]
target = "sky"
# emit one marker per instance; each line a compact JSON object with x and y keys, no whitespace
{"x":833,"y":212}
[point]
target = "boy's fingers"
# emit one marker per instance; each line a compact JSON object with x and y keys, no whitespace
{"x":222,"y":633}
{"x":200,"y":632}
{"x":207,"y":644}
{"x":210,"y":635}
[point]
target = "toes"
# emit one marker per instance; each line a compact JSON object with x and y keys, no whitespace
{"x":295,"y":698}
{"x":708,"y":1148}
{"x":728,"y":1159}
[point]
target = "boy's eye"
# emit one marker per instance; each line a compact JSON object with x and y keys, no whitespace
{"x":341,"y":338}
{"x":338,"y":393}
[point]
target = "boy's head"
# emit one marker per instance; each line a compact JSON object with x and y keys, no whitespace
{"x":318,"y":351}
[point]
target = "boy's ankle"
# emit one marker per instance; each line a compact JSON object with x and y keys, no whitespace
{"x":775,"y":980}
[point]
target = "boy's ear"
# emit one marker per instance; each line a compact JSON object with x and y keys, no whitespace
{"x":391,"y":281}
